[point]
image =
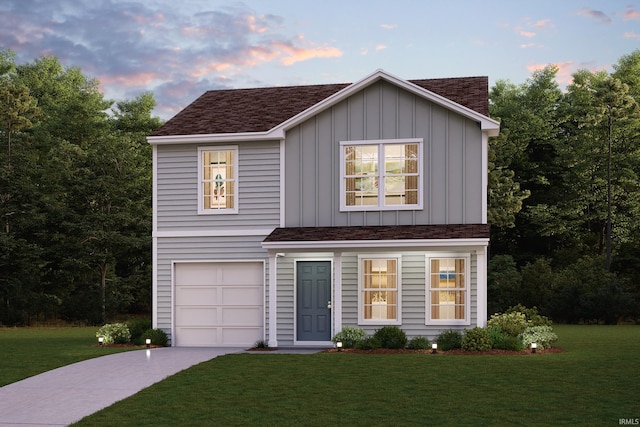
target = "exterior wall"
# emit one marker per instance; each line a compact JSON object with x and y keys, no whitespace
{"x":452,"y":167}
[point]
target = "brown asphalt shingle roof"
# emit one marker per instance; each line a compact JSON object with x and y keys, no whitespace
{"x":395,"y":232}
{"x":261,"y":109}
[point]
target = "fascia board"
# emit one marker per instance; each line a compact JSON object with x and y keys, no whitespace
{"x":273,"y":134}
{"x":375,"y":244}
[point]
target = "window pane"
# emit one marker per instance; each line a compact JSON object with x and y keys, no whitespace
{"x":379,"y":296}
{"x":448,"y":289}
{"x":218,"y":179}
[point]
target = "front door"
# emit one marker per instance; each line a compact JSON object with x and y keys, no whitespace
{"x":313,"y":301}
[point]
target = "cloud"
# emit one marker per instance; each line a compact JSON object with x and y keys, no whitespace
{"x":630,"y":13}
{"x":381,"y":47}
{"x":595,"y":14}
{"x":565,"y":70}
{"x":388,"y":26}
{"x":528,"y":34}
{"x":543,"y":23}
{"x":631,"y":35}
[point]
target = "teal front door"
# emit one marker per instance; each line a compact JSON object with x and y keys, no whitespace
{"x":313,"y":301}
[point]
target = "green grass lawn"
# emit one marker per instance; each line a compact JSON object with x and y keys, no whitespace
{"x":25,"y":352}
{"x":595,"y":382}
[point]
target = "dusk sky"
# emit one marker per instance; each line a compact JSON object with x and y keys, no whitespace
{"x":179,"y":49}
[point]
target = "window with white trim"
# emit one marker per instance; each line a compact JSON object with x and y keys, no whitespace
{"x":381,"y":175}
{"x":447,"y":290}
{"x":217,"y":180}
{"x":379,"y":285}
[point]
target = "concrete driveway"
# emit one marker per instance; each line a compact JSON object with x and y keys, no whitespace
{"x":70,"y":393}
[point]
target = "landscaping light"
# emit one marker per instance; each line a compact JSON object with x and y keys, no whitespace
{"x":100,"y":341}
{"x":534,"y":346}
{"x":148,"y":342}
{"x":339,"y":345}
{"x":434,"y":348}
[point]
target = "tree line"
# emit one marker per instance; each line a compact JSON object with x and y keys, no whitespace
{"x":75,"y":196}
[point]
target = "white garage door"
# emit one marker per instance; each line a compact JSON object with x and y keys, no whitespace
{"x":218,"y":304}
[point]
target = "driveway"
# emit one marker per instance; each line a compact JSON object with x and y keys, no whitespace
{"x":70,"y":393}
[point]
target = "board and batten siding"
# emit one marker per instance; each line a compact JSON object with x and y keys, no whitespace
{"x":452,"y":153}
{"x":258,"y":188}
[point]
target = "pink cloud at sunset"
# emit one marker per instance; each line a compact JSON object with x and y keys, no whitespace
{"x":630,"y":13}
{"x":565,"y":70}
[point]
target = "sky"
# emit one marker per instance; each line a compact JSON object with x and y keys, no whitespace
{"x":178,"y":49}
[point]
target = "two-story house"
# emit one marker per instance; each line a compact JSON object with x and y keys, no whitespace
{"x":285,"y":213}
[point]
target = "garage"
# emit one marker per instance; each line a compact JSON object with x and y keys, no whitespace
{"x":218,"y":304}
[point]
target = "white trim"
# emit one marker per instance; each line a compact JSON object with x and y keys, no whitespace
{"x":381,"y":206}
{"x":154,"y":240}
{"x":374,"y":322}
{"x":215,"y":233}
{"x":481,"y":291}
{"x":485,"y":176}
{"x":282,"y":183}
{"x":236,"y":183}
{"x":320,"y":246}
{"x":337,"y":293}
{"x":488,"y":125}
{"x":273,"y":300}
{"x":467,"y":286}
{"x":295,"y":301}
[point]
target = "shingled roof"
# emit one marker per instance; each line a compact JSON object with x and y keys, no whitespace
{"x":261,"y":109}
{"x":396,"y":232}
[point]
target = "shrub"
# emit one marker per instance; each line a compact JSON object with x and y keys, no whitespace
{"x":114,"y":333}
{"x":510,"y":323}
{"x":349,"y":336}
{"x":449,"y":340}
{"x":391,"y":337}
{"x":368,"y":343}
{"x":502,"y":341}
{"x":261,"y":344}
{"x":419,"y":343}
{"x":476,"y":339}
{"x":543,"y":336}
{"x":531,"y":314}
{"x":137,"y":327}
{"x":158,"y":337}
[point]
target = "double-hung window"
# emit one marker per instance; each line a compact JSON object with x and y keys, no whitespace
{"x":447,"y":290}
{"x":217,"y":180}
{"x":379,"y":296}
{"x":381,"y":175}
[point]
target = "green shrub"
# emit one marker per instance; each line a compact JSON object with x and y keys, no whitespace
{"x":543,"y":336}
{"x":510,"y":323}
{"x":349,"y":336}
{"x":158,"y":337}
{"x":449,"y":340}
{"x":531,"y":314}
{"x":502,"y":341}
{"x":391,"y":337}
{"x":419,"y":343}
{"x":138,"y":326}
{"x":368,"y":343}
{"x":261,"y":344}
{"x":114,"y":333}
{"x":476,"y":339}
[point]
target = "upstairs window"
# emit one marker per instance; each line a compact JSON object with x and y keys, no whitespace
{"x":217,"y":180}
{"x":381,"y":175}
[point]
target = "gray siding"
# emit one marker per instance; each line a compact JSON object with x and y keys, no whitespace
{"x":258,"y":188}
{"x":452,"y":165}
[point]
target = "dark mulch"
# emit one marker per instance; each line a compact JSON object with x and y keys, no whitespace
{"x":453,"y":352}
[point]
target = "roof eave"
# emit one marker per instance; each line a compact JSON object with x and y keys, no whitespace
{"x":270,"y":135}
{"x":374,"y":244}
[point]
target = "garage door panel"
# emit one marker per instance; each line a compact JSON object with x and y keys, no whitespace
{"x":218,"y":304}
{"x":189,"y":295}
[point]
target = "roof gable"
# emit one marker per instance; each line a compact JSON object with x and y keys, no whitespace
{"x":260,"y":110}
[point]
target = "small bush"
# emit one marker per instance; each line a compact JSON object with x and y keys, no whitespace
{"x":419,"y":343}
{"x":449,"y":340}
{"x":158,"y":337}
{"x":391,"y":337}
{"x":368,"y":343}
{"x":261,"y":344}
{"x":502,"y":341}
{"x":543,"y":336}
{"x":476,"y":339}
{"x":114,"y":333}
{"x":510,"y":323}
{"x":137,"y":327}
{"x":531,"y":314}
{"x":349,"y":336}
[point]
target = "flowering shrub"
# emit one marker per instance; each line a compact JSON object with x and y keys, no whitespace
{"x":349,"y":336}
{"x":531,"y":314}
{"x":114,"y":333}
{"x":510,"y":323}
{"x":543,"y":336}
{"x":476,"y":339}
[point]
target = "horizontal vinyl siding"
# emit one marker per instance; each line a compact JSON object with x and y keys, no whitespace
{"x":258,"y":189}
{"x":452,"y":149}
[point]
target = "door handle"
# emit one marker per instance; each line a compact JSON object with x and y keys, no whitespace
{"x":329,"y":305}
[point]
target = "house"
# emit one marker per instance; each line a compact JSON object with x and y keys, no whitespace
{"x":283,"y":214}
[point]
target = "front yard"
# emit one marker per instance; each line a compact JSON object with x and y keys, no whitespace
{"x":594,"y":382}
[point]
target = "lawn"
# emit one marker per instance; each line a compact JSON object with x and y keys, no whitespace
{"x":25,"y":352}
{"x":594,"y":382}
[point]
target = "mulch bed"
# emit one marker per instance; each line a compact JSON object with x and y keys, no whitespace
{"x":457,"y":352}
